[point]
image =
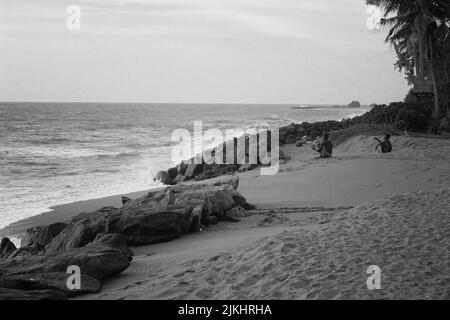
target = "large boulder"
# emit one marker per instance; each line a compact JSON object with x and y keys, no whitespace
{"x":82,"y":229}
{"x":193,"y":170}
{"x":96,"y":264}
{"x":173,"y":172}
{"x":148,"y":228}
{"x":106,"y":241}
{"x":40,"y":236}
{"x":164,"y":178}
{"x":217,"y":203}
{"x":39,"y":274}
{"x":50,"y":281}
{"x":6,"y":247}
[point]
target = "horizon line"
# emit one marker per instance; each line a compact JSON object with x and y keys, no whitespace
{"x":191,"y":103}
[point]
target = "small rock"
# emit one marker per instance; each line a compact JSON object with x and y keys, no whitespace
{"x":6,"y":247}
{"x":125,"y":200}
{"x":164,"y":178}
{"x":236,"y":212}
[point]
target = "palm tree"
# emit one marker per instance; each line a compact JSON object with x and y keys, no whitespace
{"x":425,"y":22}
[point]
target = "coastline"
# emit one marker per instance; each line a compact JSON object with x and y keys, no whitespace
{"x":63,"y":212}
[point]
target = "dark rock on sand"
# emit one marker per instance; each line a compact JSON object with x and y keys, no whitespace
{"x":236,"y":212}
{"x":164,"y":178}
{"x":6,"y":247}
{"x":148,"y":228}
{"x":173,"y":172}
{"x":40,"y":236}
{"x":106,"y":241}
{"x":29,"y":274}
{"x":96,"y":264}
{"x":240,"y":200}
{"x":50,"y":281}
{"x":193,"y":170}
{"x":82,"y":230}
{"x":125,"y":200}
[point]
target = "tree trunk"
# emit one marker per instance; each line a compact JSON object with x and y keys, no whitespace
{"x":436,"y":122}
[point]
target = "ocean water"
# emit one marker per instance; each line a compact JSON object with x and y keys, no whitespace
{"x":54,"y":153}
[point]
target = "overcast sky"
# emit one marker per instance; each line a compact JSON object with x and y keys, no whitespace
{"x":236,"y":51}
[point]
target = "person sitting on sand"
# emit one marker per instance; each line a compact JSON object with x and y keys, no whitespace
{"x":325,"y":147}
{"x":385,"y":145}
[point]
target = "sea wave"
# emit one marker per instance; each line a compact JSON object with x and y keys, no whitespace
{"x":119,"y":156}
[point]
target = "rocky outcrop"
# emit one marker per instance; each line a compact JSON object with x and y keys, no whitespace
{"x":98,"y":263}
{"x":43,"y":275}
{"x":189,"y":170}
{"x":354,"y":104}
{"x":308,"y":131}
{"x":97,"y":242}
{"x":158,"y":216}
{"x":55,"y":281}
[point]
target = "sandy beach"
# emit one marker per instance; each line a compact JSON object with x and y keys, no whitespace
{"x":301,"y":244}
{"x":318,"y":226}
{"x":225,"y":151}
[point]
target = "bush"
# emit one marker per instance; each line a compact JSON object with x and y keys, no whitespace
{"x":380,"y":114}
{"x":404,"y":116}
{"x":413,"y":117}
